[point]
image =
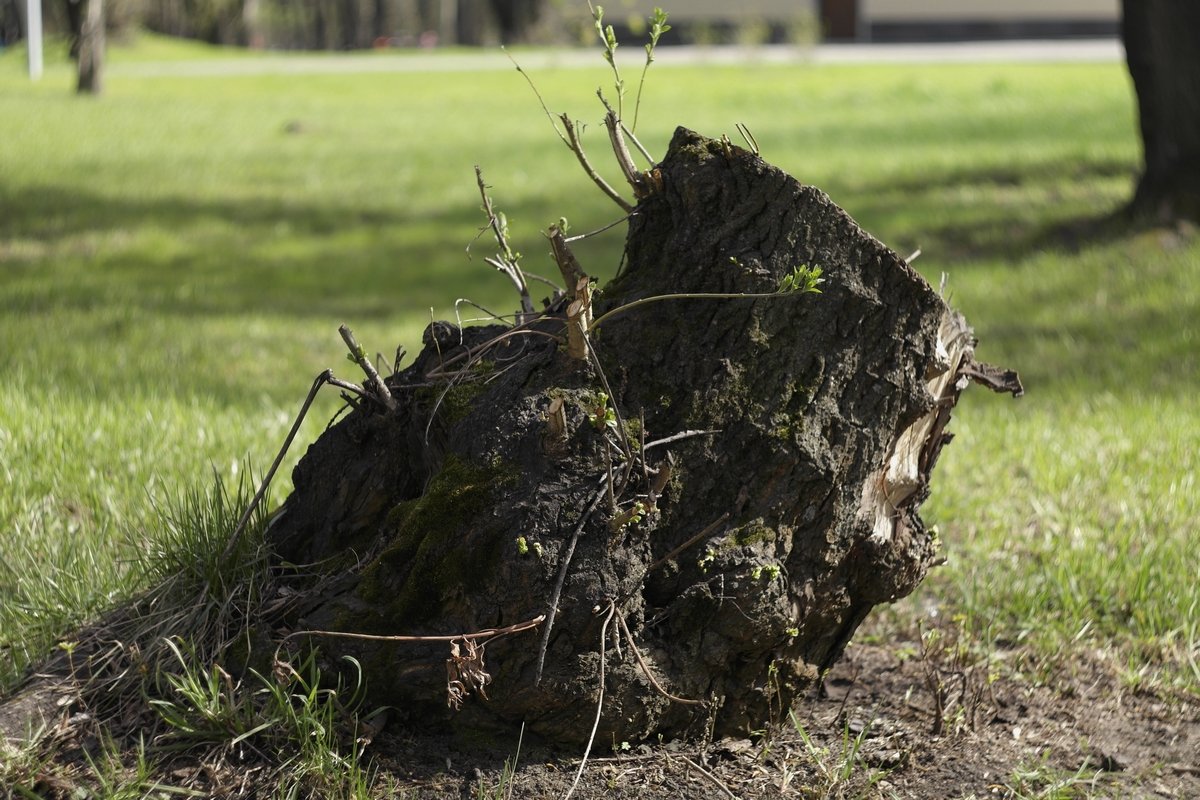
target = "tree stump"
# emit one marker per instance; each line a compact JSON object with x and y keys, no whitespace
{"x":708,"y":578}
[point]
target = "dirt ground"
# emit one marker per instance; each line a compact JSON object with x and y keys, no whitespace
{"x":1006,"y":731}
{"x":869,"y":734}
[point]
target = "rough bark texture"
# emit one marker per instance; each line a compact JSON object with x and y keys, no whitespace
{"x":1164,"y":63}
{"x":829,"y":411}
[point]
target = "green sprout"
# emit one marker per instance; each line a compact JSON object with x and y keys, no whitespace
{"x":602,"y":415}
{"x":658,"y":26}
{"x":609,"y":37}
{"x":769,"y":571}
{"x":637,"y":512}
{"x":803,"y":279}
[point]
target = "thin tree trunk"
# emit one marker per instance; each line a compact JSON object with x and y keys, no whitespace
{"x":1164,"y":63}
{"x":75,"y":13}
{"x":382,"y":21}
{"x":251,"y":31}
{"x":516,"y":18}
{"x":91,"y":49}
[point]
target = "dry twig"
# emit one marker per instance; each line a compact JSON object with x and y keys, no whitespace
{"x":507,"y":259}
{"x":379,"y":389}
{"x":612,"y":609}
{"x":556,"y":595}
{"x":637,"y":654}
{"x":235,"y":537}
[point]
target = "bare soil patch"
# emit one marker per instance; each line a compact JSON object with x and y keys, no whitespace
{"x":1080,"y":735}
{"x":867,"y":733}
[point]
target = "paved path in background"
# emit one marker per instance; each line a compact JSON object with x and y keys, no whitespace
{"x":1075,"y":50}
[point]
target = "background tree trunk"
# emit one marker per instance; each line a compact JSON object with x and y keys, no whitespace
{"x":252,"y":35}
{"x":1163,"y":54}
{"x":76,"y":12}
{"x":91,"y":49}
{"x":516,"y":18}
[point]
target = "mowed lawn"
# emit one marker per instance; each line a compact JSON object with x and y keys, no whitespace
{"x":175,"y":259}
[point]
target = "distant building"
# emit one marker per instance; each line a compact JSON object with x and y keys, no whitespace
{"x":880,"y":20}
{"x":899,"y":20}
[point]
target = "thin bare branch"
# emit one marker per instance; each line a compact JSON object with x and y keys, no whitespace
{"x":379,"y":389}
{"x":638,"y":145}
{"x":637,"y":654}
{"x":576,"y":146}
{"x":748,"y":136}
{"x":465,"y":301}
{"x":471,"y":354}
{"x":569,"y":134}
{"x":704,"y":534}
{"x":556,"y":595}
{"x":616,"y":137}
{"x":612,"y":609}
{"x":486,"y":633}
{"x":720,"y":784}
{"x":621,"y":431}
{"x":676,"y":437}
{"x":507,"y":260}
{"x":568,"y":264}
{"x":348,"y":386}
{"x":538,"y":95}
{"x":235,"y":537}
{"x":658,"y":298}
{"x":598,"y":231}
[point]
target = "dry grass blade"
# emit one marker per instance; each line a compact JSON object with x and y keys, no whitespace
{"x":612,"y":609}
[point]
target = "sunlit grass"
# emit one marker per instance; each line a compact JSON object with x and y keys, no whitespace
{"x":175,"y":259}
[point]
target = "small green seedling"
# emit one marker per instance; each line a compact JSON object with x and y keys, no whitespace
{"x":803,"y":279}
{"x":602,"y":415}
{"x":768,"y":571}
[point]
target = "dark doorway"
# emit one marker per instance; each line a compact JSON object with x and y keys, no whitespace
{"x":839,"y":19}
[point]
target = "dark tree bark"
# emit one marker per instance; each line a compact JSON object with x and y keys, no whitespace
{"x":482,"y":501}
{"x":505,"y":21}
{"x":382,"y":18}
{"x":475,"y":23}
{"x":91,"y":49}
{"x":76,"y":11}
{"x":350,"y":26}
{"x":1161,"y":49}
{"x":516,"y":18}
{"x":12,"y":22}
{"x":839,"y":19}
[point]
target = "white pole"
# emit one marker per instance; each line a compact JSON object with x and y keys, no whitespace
{"x":33,"y":37}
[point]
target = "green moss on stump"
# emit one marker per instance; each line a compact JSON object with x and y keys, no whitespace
{"x":436,"y":546}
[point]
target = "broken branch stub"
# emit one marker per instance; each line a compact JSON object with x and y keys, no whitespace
{"x":803,"y":432}
{"x":579,"y":294}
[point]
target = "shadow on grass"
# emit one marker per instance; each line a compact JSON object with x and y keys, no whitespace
{"x":975,"y":217}
{"x":172,"y":255}
{"x":1077,"y":316}
{"x":1079,"y":301}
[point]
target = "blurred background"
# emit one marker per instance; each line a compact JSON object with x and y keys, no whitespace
{"x":179,"y":242}
{"x":359,"y":24}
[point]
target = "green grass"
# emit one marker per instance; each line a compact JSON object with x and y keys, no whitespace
{"x":175,"y":259}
